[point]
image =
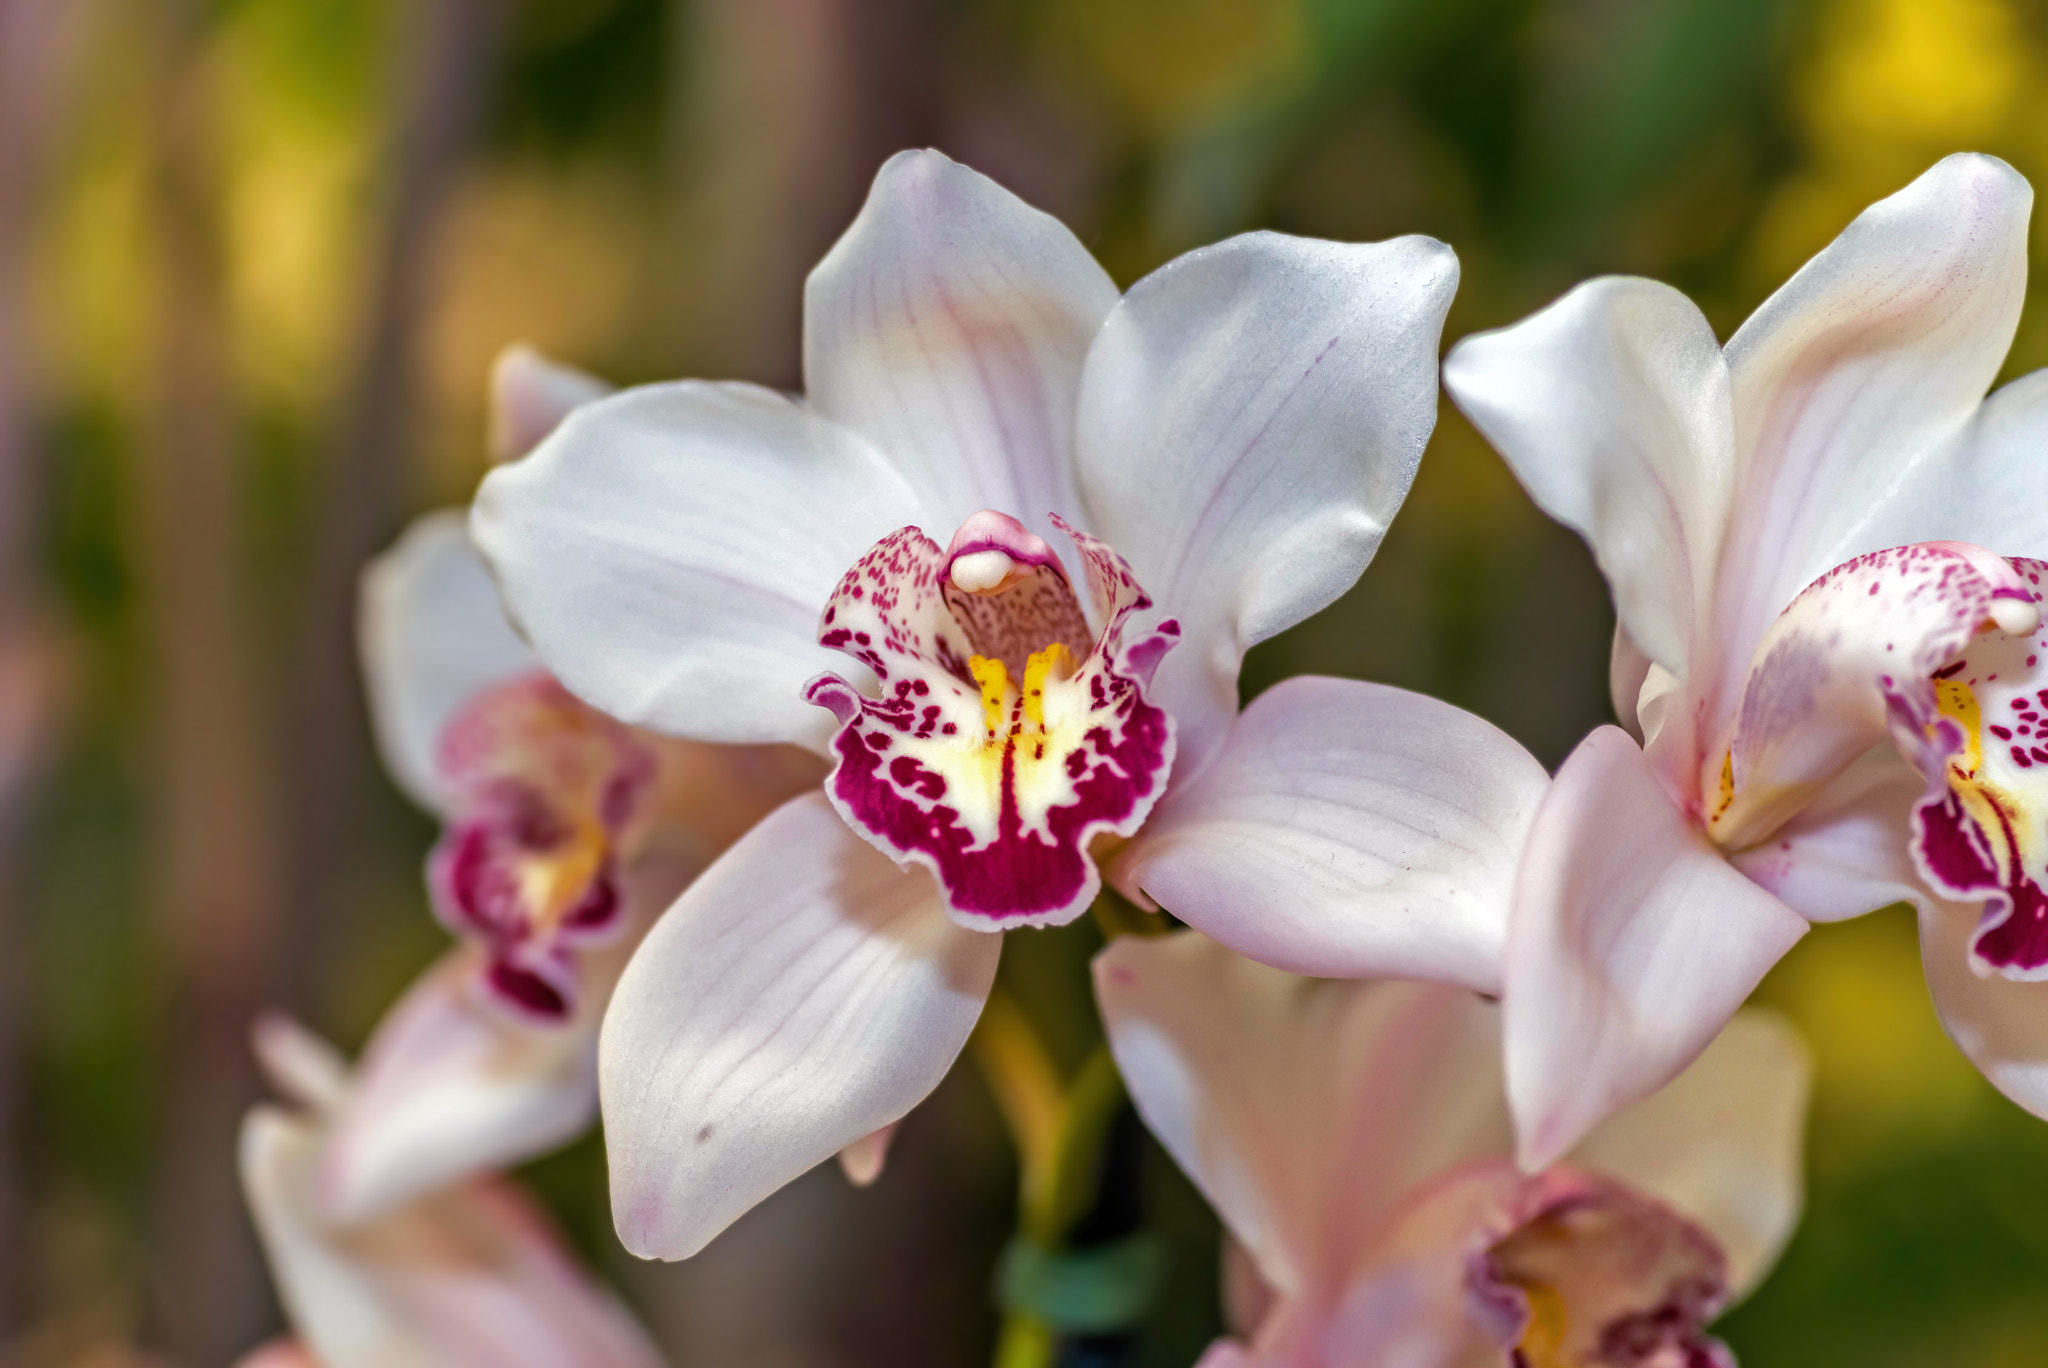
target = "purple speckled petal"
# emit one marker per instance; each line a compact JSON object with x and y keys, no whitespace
{"x":1849,"y":664}
{"x":1981,"y":832}
{"x":995,"y":784}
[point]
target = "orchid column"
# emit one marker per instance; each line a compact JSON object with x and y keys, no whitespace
{"x":1000,"y":564}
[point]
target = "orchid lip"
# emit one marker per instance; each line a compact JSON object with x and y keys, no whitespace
{"x":1008,"y":733}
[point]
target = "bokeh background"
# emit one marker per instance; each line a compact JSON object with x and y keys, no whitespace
{"x":255,"y":258}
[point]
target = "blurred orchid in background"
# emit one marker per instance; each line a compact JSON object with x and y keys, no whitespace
{"x":1828,"y":680}
{"x":1356,"y":1141}
{"x":1228,"y":441}
{"x":566,"y":833}
{"x":470,"y":1276}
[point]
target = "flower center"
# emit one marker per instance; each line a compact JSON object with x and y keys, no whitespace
{"x":546,"y":791}
{"x":1006,"y":733}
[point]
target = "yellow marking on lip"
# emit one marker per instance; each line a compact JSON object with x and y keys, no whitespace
{"x":994,"y":678}
{"x":1055,"y":662}
{"x":1542,"y":1343}
{"x":1953,"y":699}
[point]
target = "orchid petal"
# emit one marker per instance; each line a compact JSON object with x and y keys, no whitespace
{"x":1848,"y":664}
{"x":1722,"y":1142}
{"x":1628,"y":669}
{"x":1630,"y":943}
{"x":1349,"y":830}
{"x":862,"y":1160}
{"x":1979,"y":489}
{"x":802,"y":994}
{"x":1303,"y":1109}
{"x":948,"y":326}
{"x":530,"y":396}
{"x":1612,"y":407}
{"x":1870,"y":359}
{"x":1847,"y":851}
{"x":433,"y":636}
{"x":473,"y":1276}
{"x":1251,"y":418}
{"x":668,"y":549}
{"x":2002,"y":1025}
{"x":279,"y":1353}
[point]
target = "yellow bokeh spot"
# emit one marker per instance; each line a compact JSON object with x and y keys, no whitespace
{"x":1921,"y":70}
{"x":994,"y":678}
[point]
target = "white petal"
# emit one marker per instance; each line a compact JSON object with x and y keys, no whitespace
{"x":302,"y":1066}
{"x":1868,"y":360}
{"x":1630,"y":944}
{"x":1849,"y":851}
{"x":802,"y":994}
{"x":862,"y":1160}
{"x":948,"y":327}
{"x":1303,"y":1109}
{"x":1628,"y":669}
{"x":1985,"y":488}
{"x":1251,"y":418}
{"x":433,"y":635}
{"x":1349,"y":830}
{"x":530,"y":396}
{"x":1612,"y":407}
{"x":2001,"y":1024}
{"x":472,"y":1278}
{"x":668,"y":552}
{"x":1723,"y":1142}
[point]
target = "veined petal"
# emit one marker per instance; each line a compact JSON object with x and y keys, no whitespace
{"x":1981,"y":831}
{"x":1251,"y":417}
{"x":666,"y":551}
{"x":1723,"y":1142}
{"x":1849,"y":663}
{"x":1849,"y":850}
{"x":803,"y":993}
{"x":996,"y":785}
{"x":1349,"y":830}
{"x":2000,"y":1024}
{"x":530,"y":396}
{"x":948,"y":327}
{"x":472,"y":1276}
{"x":1612,"y":407}
{"x":433,"y":636}
{"x":1869,"y":360}
{"x":1631,"y":941}
{"x":1304,"y":1109}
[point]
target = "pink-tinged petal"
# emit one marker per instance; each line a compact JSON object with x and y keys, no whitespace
{"x":305,"y":1068}
{"x":948,"y":327}
{"x":1869,"y":360}
{"x":666,"y":551}
{"x":2000,"y":1024}
{"x":862,"y":1160}
{"x":1348,"y":830}
{"x":280,"y":1353}
{"x":1631,"y":941}
{"x":1612,"y":407}
{"x":473,"y":1276}
{"x":433,"y":636}
{"x":1628,"y":669}
{"x":1723,"y":1143}
{"x":1303,"y":1109}
{"x":1980,"y":834}
{"x":1251,"y":418}
{"x":1848,"y":664}
{"x":1848,"y":851}
{"x":530,"y":396}
{"x":993,"y":773}
{"x":802,"y":994}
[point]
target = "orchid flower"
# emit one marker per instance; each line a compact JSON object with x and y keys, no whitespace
{"x":565,"y":832}
{"x":885,"y":570}
{"x":1835,"y":687}
{"x":1355,"y":1140}
{"x":473,"y":1276}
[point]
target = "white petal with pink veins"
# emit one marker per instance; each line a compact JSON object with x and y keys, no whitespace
{"x":1348,"y":830}
{"x":1630,"y":943}
{"x":1251,"y":418}
{"x":666,"y":551}
{"x":1868,"y":361}
{"x":802,"y":994}
{"x":948,"y":326}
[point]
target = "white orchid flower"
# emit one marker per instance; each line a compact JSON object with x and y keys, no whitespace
{"x":566,"y":832}
{"x":1227,"y":442}
{"x":473,"y":1276}
{"x":1355,"y":1140}
{"x":1834,"y":684}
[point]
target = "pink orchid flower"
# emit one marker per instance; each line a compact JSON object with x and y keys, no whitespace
{"x":472,"y":1276}
{"x":565,"y":833}
{"x":1835,"y":688}
{"x":886,"y":568}
{"x":1355,"y":1140}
